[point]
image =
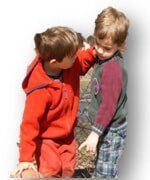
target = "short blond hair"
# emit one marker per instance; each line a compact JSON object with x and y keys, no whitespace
{"x":57,"y":43}
{"x":111,"y":23}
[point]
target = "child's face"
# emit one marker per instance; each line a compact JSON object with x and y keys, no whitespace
{"x":105,"y":48}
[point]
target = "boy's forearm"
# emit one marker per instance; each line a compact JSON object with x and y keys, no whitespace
{"x":87,"y":59}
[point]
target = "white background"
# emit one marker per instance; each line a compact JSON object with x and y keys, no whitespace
{"x":20,"y":20}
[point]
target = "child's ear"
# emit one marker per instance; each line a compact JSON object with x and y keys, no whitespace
{"x":52,"y":61}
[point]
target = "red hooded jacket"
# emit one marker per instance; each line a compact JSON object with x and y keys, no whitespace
{"x":51,"y":106}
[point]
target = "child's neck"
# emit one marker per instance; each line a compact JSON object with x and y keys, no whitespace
{"x":51,"y":70}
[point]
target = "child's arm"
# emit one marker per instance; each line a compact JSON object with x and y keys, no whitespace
{"x":86,"y":59}
{"x":91,"y":142}
{"x":110,"y":90}
{"x":35,"y":106}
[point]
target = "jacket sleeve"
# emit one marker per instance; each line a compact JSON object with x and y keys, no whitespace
{"x":86,"y":60}
{"x":110,"y":89}
{"x":35,"y":107}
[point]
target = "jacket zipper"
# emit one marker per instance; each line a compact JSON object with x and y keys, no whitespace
{"x":66,"y":97}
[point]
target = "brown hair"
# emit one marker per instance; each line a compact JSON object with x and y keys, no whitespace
{"x":111,"y":23}
{"x":91,"y":40}
{"x":57,"y":43}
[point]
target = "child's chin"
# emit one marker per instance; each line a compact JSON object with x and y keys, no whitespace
{"x":102,"y":58}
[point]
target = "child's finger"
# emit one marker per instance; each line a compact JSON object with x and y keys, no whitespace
{"x":16,"y":173}
{"x":82,"y":145}
{"x":40,"y":175}
{"x":89,"y":149}
{"x":93,"y":150}
{"x":34,"y":168}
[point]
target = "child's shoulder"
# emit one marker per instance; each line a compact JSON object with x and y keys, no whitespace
{"x":112,"y":67}
{"x":114,"y":63}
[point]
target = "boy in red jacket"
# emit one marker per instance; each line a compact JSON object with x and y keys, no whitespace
{"x":52,"y":89}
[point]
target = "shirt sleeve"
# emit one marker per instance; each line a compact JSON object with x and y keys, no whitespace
{"x":34,"y":110}
{"x":86,"y":60}
{"x":110,"y":89}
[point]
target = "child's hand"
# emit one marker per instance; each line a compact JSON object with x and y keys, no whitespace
{"x":91,"y":142}
{"x":85,"y":46}
{"x":21,"y":167}
{"x":30,"y":173}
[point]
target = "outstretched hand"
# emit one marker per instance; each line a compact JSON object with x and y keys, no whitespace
{"x":91,"y":142}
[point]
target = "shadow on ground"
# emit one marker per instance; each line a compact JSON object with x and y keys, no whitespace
{"x":83,"y":173}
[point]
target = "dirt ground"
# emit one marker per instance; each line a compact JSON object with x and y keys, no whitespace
{"x":85,"y":160}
